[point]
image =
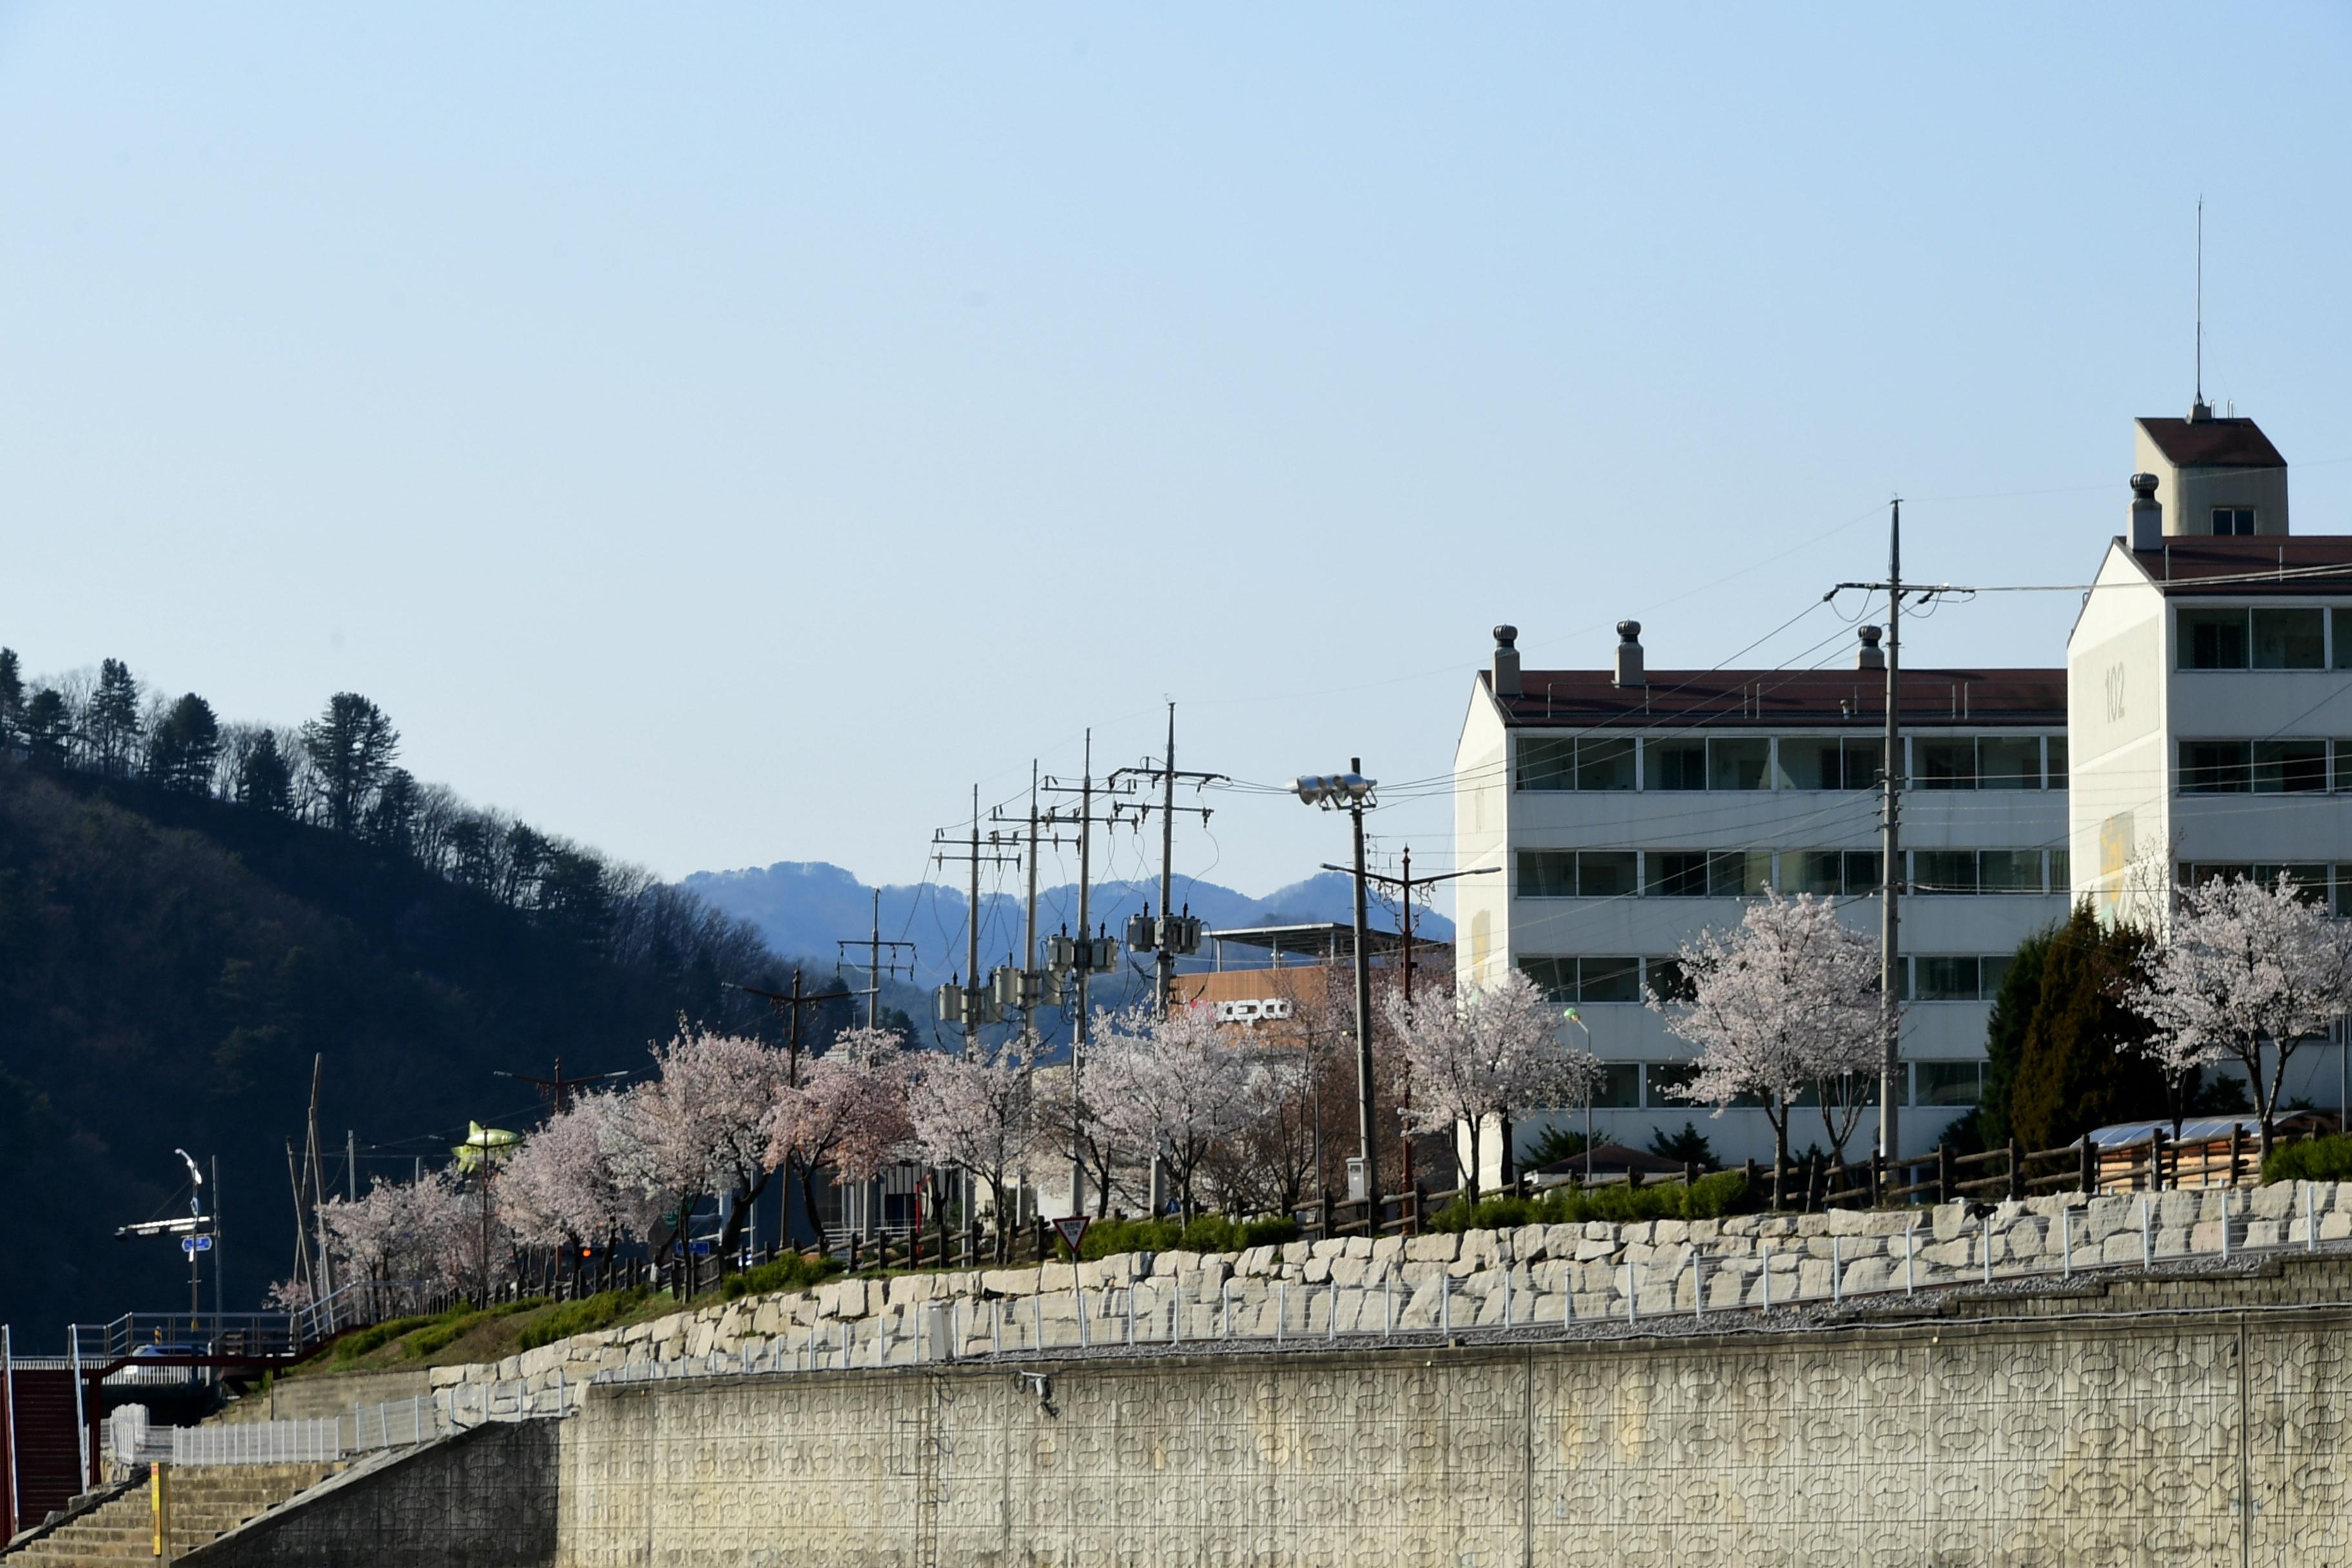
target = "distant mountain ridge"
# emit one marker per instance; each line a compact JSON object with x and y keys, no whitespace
{"x":806,"y":906}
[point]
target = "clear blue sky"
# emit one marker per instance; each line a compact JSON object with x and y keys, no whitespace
{"x":724,"y":434}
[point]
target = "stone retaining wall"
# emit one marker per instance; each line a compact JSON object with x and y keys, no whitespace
{"x":1534,"y":1274}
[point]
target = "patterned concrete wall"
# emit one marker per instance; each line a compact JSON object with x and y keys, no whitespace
{"x":2083,"y":1441}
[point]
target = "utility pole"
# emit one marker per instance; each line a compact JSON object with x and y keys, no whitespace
{"x":551,"y":1088}
{"x":1890,"y":839}
{"x":1404,"y":885}
{"x":876,"y":965}
{"x":317,"y":1189}
{"x":1172,"y":935}
{"x":967,"y":999}
{"x":1078,"y":959}
{"x":787,"y":1005}
{"x":1351,"y":792}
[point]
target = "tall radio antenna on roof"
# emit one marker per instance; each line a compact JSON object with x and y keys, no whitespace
{"x":2201,"y":301}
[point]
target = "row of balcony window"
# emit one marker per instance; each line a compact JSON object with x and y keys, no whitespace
{"x":1618,"y":763}
{"x":2329,"y":886}
{"x":2265,"y":767}
{"x":1639,"y":1086}
{"x":2264,"y":636}
{"x":1750,"y":873}
{"x":1589,"y":981}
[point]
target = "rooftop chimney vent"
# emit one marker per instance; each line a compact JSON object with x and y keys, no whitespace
{"x":1629,"y":654}
{"x":2146,"y":514}
{"x":1870,"y":656}
{"x":1506,"y":661}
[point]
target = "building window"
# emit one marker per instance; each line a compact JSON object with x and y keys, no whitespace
{"x":1608,"y":979}
{"x":2289,"y":639}
{"x":1829,"y":762}
{"x":1946,"y":1083}
{"x":2309,"y":881}
{"x":1547,"y":762}
{"x":1604,"y":762}
{"x":1947,"y":979}
{"x":1709,"y":873}
{"x":1667,"y":1077}
{"x":2212,"y":639}
{"x":1620,"y":1087}
{"x":2290,"y":767}
{"x":1862,"y":871}
{"x":1547,"y":874}
{"x":2216,"y":767}
{"x":2340,"y":627}
{"x":2233,"y":521}
{"x":2344,"y":764}
{"x":2062,"y":870}
{"x":2056,"y":746}
{"x":2009,"y":870}
{"x":1673,"y":764}
{"x":1853,"y":1088}
{"x":1944,"y":871}
{"x":1991,"y":969}
{"x":1945,"y":765}
{"x":1742,"y":764}
{"x":2005,"y":761}
{"x":1811,"y":872}
{"x":1608,"y":874}
{"x":1556,"y":975}
{"x":1664,"y":978}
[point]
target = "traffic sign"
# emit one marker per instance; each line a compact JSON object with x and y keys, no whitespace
{"x":699,"y":1248}
{"x":1073,"y":1230}
{"x":195,"y":1244}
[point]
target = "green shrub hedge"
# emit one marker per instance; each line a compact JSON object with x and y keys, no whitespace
{"x":790,"y":1272}
{"x":2327,"y":1159}
{"x":1209,"y":1233}
{"x":1709,"y":1197}
{"x":584,"y":1316}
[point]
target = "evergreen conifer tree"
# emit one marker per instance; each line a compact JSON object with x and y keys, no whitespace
{"x":263,"y":779}
{"x":49,"y":727}
{"x":12,"y":693}
{"x":352,"y":746}
{"x":185,"y":747}
{"x":2012,"y":1011}
{"x":2081,"y":1066}
{"x":110,"y":724}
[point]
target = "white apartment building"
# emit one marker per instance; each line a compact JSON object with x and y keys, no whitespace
{"x":2208,"y":689}
{"x":1631,"y":809}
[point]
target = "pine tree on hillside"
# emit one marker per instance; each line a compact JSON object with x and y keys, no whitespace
{"x":185,"y":749}
{"x":12,"y":693}
{"x":2012,"y":1012}
{"x":49,"y":727}
{"x":110,"y":727}
{"x":263,"y":779}
{"x":2081,"y":1067}
{"x":350,"y":746}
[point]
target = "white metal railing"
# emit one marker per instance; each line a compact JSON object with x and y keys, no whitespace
{"x":259,"y":1443}
{"x":2103,"y":1236}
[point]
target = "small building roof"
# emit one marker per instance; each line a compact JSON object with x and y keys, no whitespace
{"x":1316,"y":939}
{"x":2213,"y":443}
{"x":2261,"y":567}
{"x":1778,"y":698}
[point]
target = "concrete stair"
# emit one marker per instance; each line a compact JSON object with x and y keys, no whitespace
{"x":206,"y":1501}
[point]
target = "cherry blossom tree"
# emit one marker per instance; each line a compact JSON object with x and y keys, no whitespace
{"x":1269,"y":1165}
{"x":1069,"y":1117}
{"x":974,"y":1113}
{"x":848,"y":1113}
{"x":1788,"y":998}
{"x":1486,"y":1052}
{"x":1170,"y":1087}
{"x":561,"y":1189}
{"x":697,"y":1128}
{"x":2241,"y":966}
{"x":431,"y":1229}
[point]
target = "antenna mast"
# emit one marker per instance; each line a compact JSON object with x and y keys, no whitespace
{"x":2201,"y":301}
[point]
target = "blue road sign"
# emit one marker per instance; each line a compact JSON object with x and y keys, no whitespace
{"x":700,"y":1248}
{"x":195,"y":1244}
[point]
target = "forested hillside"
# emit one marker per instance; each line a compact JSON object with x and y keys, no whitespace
{"x":188,"y":917}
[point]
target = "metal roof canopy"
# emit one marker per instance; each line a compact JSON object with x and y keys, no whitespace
{"x":1326,"y":940}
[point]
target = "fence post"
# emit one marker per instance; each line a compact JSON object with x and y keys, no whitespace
{"x":2089,"y":1177}
{"x":2016,"y":1169}
{"x":1767,"y":1276}
{"x":1632,"y":1313}
{"x":2310,"y":1222}
{"x":1877,"y":1178}
{"x":2065,"y":1242}
{"x":1748,"y":1170}
{"x":1837,"y":1272}
{"x":2237,"y":1152}
{"x":1910,"y":1242}
{"x":2156,"y":1159}
{"x":1420,"y":1207}
{"x":1947,"y":1174}
{"x":1690,"y":1172}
